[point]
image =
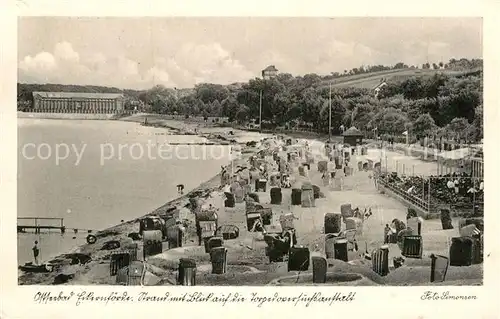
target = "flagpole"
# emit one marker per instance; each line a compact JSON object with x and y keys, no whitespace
{"x":330,"y":115}
{"x":260,"y":112}
{"x":232,"y":162}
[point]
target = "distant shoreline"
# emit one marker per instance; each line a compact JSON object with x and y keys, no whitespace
{"x":65,"y":116}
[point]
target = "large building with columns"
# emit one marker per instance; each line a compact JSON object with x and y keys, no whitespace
{"x":76,"y":102}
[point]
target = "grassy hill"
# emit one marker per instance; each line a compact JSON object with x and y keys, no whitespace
{"x":371,"y":80}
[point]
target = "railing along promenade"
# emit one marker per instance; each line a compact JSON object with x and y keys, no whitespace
{"x":420,"y":203}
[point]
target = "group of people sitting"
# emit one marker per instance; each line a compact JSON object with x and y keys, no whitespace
{"x":451,"y":188}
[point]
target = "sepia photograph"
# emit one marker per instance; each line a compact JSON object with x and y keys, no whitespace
{"x":250,"y":151}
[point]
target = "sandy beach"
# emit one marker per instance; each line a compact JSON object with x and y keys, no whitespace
{"x":247,"y":263}
{"x":215,"y":136}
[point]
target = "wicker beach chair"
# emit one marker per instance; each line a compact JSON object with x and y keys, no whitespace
{"x":228,"y":232}
{"x":350,"y":235}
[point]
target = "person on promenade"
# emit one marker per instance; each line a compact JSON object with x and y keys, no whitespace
{"x":339,"y":176}
{"x":36,"y":252}
{"x":450,"y":184}
{"x":471,"y":193}
{"x":375,"y":177}
{"x":285,"y":182}
{"x":368,"y":214}
{"x":212,"y":208}
{"x":326,"y":179}
{"x":331,"y":167}
{"x":387,"y":233}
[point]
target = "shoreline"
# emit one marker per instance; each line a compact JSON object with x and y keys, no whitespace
{"x":202,"y":191}
{"x":66,"y":116}
{"x":168,"y":204}
{"x":156,"y":121}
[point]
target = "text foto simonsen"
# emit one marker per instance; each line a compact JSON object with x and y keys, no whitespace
{"x":445,"y":295}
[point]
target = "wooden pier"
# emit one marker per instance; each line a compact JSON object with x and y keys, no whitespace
{"x":39,"y":223}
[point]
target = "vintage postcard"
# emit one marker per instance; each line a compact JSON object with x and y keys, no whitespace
{"x":274,"y":163}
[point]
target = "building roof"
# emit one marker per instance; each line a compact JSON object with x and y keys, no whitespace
{"x":270,"y":68}
{"x":81,"y":95}
{"x":353,"y":131}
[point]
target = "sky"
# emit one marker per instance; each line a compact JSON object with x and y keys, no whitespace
{"x":138,"y":53}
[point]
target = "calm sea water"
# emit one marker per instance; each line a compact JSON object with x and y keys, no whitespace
{"x":104,"y":178}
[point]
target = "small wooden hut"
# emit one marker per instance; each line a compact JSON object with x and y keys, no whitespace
{"x":353,"y":136}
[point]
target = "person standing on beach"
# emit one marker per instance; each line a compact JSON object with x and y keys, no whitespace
{"x":180,"y":189}
{"x":36,"y":252}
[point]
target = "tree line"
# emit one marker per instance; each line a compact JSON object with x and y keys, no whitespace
{"x":439,"y":105}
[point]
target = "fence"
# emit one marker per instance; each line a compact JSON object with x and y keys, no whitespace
{"x":477,"y":168}
{"x":411,"y":199}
